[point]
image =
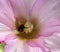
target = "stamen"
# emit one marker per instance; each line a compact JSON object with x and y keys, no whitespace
{"x":28,"y":27}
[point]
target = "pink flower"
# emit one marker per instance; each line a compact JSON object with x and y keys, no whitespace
{"x":28,"y":23}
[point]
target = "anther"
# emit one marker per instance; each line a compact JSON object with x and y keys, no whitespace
{"x":28,"y":27}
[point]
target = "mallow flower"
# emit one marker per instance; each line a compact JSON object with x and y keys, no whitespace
{"x":28,"y":23}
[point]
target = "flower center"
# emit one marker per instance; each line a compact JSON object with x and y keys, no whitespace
{"x":26,"y":29}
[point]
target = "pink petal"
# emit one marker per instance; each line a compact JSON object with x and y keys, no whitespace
{"x":29,"y":4}
{"x":6,"y":16}
{"x":50,"y":9}
{"x":37,"y":43}
{"x":7,"y":22}
{"x":36,"y":8}
{"x":15,"y":46}
{"x":50,"y":26}
{"x":43,"y":9}
{"x":10,"y":37}
{"x":19,"y":7}
{"x":35,"y":49}
{"x":9,"y":46}
{"x":6,"y":33}
{"x":53,"y":41}
{"x":47,"y":16}
{"x":4,"y":28}
{"x":3,"y":36}
{"x":19,"y":46}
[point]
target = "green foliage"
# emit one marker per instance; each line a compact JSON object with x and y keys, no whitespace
{"x":2,"y":47}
